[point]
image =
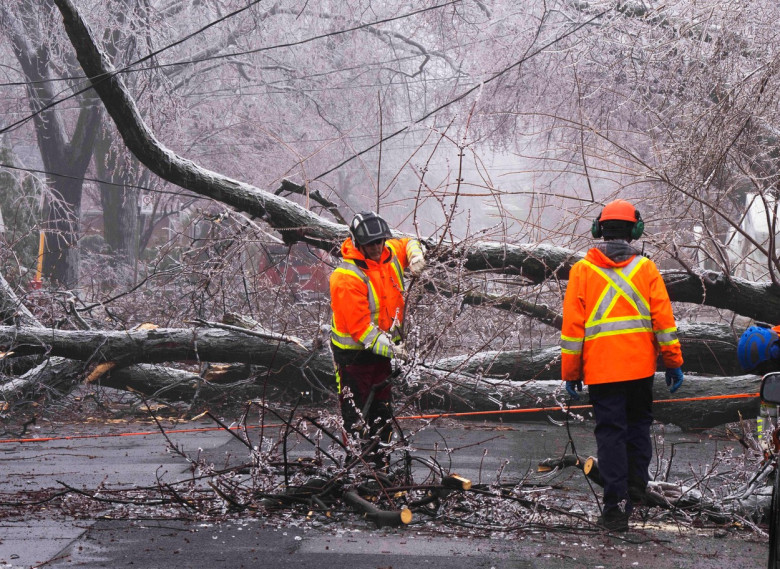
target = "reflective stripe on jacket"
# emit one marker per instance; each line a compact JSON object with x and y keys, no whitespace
{"x":617,"y":318}
{"x":366,"y":297}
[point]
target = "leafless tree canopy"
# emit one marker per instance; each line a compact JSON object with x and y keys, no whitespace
{"x":238,"y":138}
{"x":176,"y":177}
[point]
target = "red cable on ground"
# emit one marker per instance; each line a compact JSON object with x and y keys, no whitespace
{"x":431,"y":416}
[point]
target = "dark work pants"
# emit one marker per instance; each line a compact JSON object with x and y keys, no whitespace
{"x":360,"y":379}
{"x":624,"y":413}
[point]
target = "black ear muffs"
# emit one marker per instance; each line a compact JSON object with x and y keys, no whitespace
{"x":595,"y":229}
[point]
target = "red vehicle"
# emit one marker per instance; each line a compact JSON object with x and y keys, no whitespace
{"x":299,"y":267}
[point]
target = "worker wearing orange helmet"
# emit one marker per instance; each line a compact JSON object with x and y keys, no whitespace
{"x":617,"y":318}
{"x":367,"y":300}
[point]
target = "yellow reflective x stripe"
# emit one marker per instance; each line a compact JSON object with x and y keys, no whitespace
{"x":618,"y":284}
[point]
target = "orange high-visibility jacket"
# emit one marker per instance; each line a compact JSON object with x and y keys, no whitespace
{"x":366,"y":297}
{"x":616,"y":318}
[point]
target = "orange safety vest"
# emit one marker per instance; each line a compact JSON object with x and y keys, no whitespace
{"x":367,"y":297}
{"x":617,"y":317}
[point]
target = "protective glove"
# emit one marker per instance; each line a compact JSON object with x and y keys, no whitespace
{"x":382,"y":346}
{"x":571,"y":386}
{"x":674,"y":378}
{"x":400,"y":353}
{"x":416,"y":254}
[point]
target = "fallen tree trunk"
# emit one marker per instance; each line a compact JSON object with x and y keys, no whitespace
{"x":700,"y":404}
{"x":224,"y":384}
{"x":41,"y":376}
{"x":150,"y":345}
{"x":443,"y":386}
{"x":492,"y":400}
{"x":707,"y":349}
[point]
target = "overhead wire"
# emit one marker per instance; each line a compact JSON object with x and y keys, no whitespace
{"x":116,"y":72}
{"x":88,"y":179}
{"x":189,"y":36}
{"x":406,"y":128}
{"x":469,"y":91}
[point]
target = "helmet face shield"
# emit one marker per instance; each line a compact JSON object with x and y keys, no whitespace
{"x":368,"y":227}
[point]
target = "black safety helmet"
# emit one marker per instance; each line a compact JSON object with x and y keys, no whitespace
{"x":367,"y":227}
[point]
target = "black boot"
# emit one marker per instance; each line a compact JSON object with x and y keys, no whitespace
{"x":614,"y":520}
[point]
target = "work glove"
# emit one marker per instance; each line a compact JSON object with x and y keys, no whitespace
{"x":400,"y":353}
{"x":674,"y":378}
{"x":382,"y":346}
{"x":571,"y":386}
{"x":416,"y":255}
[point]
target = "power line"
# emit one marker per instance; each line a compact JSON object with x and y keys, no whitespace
{"x":88,"y":179}
{"x":427,"y":115}
{"x":128,"y":67}
{"x":454,"y":47}
{"x":329,"y":34}
{"x":467,"y":92}
{"x":116,"y":72}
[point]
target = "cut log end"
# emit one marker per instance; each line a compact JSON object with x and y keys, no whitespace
{"x":457,"y":482}
{"x":589,"y":465}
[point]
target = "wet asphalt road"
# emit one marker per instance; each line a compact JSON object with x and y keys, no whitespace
{"x":478,"y":451}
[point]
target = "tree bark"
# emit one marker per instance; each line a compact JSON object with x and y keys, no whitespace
{"x":119,"y":200}
{"x":709,"y":349}
{"x":443,"y":386}
{"x":229,"y":384}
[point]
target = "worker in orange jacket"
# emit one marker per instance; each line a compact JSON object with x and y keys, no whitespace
{"x":617,"y":317}
{"x":367,"y":300}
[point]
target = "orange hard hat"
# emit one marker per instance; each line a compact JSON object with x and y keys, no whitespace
{"x":619,"y":209}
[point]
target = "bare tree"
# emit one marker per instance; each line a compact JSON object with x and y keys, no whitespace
{"x":66,"y":155}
